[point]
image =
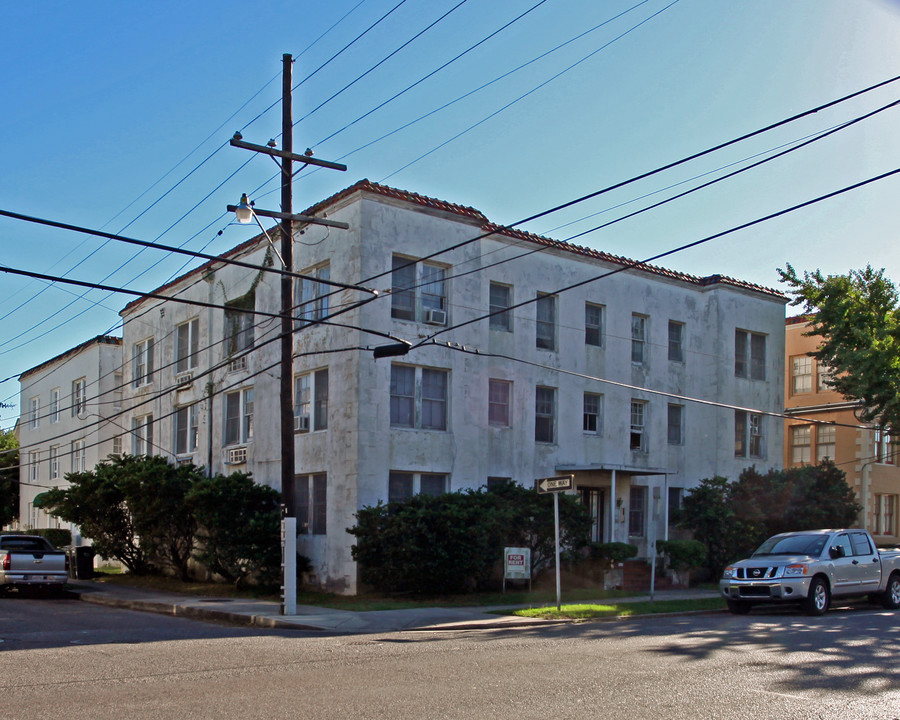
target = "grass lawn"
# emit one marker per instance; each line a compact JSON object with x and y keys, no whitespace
{"x":594,"y":611}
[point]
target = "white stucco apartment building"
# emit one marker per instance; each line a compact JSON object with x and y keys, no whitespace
{"x":67,"y":423}
{"x":595,"y":377}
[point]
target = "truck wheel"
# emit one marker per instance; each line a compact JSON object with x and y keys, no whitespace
{"x":891,"y":597}
{"x":738,"y":607}
{"x":818,"y":599}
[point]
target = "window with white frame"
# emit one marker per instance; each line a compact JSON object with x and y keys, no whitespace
{"x":118,"y":446}
{"x":749,"y":435}
{"x":418,"y":291}
{"x":499,"y":393}
{"x":801,"y":374}
{"x":54,"y":405}
{"x":34,"y":465}
{"x":749,"y":355}
{"x":79,"y":397}
{"x":238,"y":417}
{"x":311,"y":401}
{"x":34,"y":413}
{"x":885,"y":514}
{"x":801,"y":444}
{"x":544,"y":414}
{"x":311,"y":294}
{"x":593,"y":324}
{"x":77,"y":453}
{"x":823,"y":376}
{"x":419,"y":397}
{"x":118,"y":389}
{"x":545,"y":335}
{"x":187,"y":345}
{"x":311,"y":495}
{"x":142,"y":435}
{"x":638,"y":339}
{"x":54,"y":462}
{"x":637,"y":511}
{"x":239,"y":324}
{"x":676,"y":341}
{"x":500,"y":300}
{"x":675,"y":424}
{"x":884,"y":446}
{"x":825,"y":441}
{"x":403,"y":485}
{"x":637,"y":433}
{"x":592,"y":413}
{"x":142,"y":363}
{"x":187,"y":429}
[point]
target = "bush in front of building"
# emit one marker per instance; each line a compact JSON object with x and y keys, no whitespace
{"x":57,"y":537}
{"x":609,"y":554}
{"x":453,"y":543}
{"x":682,"y":555}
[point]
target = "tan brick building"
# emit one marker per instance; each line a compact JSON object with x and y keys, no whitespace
{"x":867,"y":455}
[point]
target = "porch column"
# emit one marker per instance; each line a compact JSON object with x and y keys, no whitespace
{"x":612,"y":508}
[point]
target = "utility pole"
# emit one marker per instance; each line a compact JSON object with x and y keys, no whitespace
{"x":286,"y":396}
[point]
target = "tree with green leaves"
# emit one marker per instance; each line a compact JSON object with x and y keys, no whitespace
{"x":857,"y":319}
{"x":9,"y":477}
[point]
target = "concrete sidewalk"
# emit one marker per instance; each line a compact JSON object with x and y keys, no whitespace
{"x":267,"y":614}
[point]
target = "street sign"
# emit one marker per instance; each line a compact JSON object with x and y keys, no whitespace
{"x":555,"y":484}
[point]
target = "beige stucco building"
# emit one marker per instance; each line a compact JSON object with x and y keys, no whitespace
{"x":824,"y":424}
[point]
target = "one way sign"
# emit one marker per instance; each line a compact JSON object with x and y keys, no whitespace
{"x":555,"y":484}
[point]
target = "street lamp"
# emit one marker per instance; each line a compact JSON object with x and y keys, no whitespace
{"x":245,"y":213}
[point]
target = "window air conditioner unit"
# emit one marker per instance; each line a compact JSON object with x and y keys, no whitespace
{"x":236,"y":456}
{"x":184,"y":379}
{"x":185,"y":460}
{"x":436,"y":317}
{"x":238,"y":364}
{"x":301,"y":423}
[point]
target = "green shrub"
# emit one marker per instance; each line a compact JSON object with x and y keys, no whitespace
{"x":682,"y":554}
{"x":611,"y":553}
{"x":57,"y":537}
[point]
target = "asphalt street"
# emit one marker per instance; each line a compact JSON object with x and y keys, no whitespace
{"x":75,"y":660}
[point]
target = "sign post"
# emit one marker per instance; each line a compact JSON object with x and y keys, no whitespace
{"x":556,"y":485}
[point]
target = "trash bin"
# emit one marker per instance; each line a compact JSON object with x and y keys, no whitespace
{"x":84,"y":562}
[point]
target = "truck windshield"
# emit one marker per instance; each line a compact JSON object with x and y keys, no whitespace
{"x":811,"y":545}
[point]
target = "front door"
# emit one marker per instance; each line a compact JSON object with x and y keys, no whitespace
{"x":593,"y":500}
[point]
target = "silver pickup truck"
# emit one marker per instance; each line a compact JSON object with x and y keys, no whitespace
{"x":30,"y":561}
{"x":810,"y":568}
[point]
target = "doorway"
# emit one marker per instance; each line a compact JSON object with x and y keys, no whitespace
{"x":594,"y":501}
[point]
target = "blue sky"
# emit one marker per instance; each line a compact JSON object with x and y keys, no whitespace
{"x":114,"y":116}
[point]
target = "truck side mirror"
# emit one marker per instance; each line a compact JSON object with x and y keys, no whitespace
{"x":836,"y":551}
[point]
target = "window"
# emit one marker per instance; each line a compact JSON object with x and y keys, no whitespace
{"x":675,"y":424}
{"x":54,"y":462}
{"x":118,"y":382}
{"x":749,"y":440}
{"x":312,"y":504}
{"x":637,"y":504}
{"x":500,"y":300}
{"x":498,"y":402}
{"x":676,"y":341}
{"x":638,"y":338}
{"x":593,"y":406}
{"x":749,"y":355}
{"x":142,"y":362}
{"x":638,"y":438}
{"x":117,"y":445}
{"x":544,"y":412}
{"x":824,"y":376}
{"x":187,"y":345}
{"x":825,"y":438}
{"x":884,"y":446}
{"x":801,"y":374}
{"x":418,"y":291}
{"x":403,"y":485}
{"x":79,"y":399}
{"x":34,"y":414}
{"x":239,"y":417}
{"x":860,"y":543}
{"x":800,"y":444}
{"x":54,"y":405}
{"x":34,"y":473}
{"x":312,"y":296}
{"x":676,"y":497}
{"x":78,"y":463}
{"x":239,"y":324}
{"x":311,"y":401}
{"x":885,"y":511}
{"x":187,"y":431}
{"x":546,"y":322}
{"x":593,"y":324}
{"x":426,"y":409}
{"x":142,"y":435}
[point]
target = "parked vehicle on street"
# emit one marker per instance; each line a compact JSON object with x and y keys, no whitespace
{"x":811,"y":568}
{"x":29,"y":561}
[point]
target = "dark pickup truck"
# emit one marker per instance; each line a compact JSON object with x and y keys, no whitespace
{"x":29,"y":561}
